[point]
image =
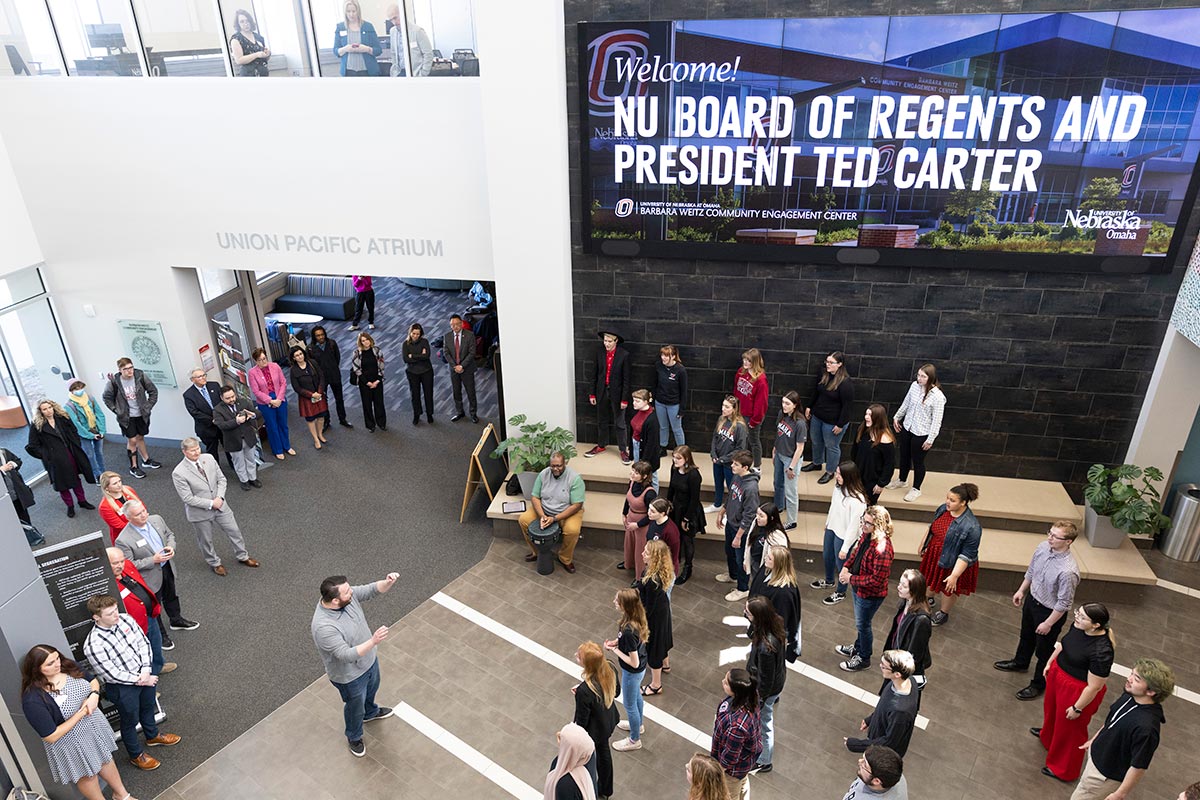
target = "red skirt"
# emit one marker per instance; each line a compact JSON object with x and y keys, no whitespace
{"x":310,"y":410}
{"x":935,"y":575}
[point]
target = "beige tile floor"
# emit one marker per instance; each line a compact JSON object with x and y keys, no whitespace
{"x":506,"y":704}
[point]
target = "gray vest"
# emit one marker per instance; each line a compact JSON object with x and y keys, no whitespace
{"x":556,"y":492}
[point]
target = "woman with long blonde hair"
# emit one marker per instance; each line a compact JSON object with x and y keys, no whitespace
{"x":706,"y":779}
{"x":596,"y":708}
{"x":655,"y":591}
{"x":867,"y":570}
{"x":633,"y":632}
{"x":54,"y":440}
{"x":778,"y":584}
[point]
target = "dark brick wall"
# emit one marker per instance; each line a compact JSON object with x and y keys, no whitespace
{"x":1044,"y":373}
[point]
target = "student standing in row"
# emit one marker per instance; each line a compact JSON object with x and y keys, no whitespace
{"x":751,"y":390}
{"x":918,"y":423}
{"x":630,"y":649}
{"x":596,"y":709}
{"x":950,"y":553}
{"x":828,"y":415}
{"x":846,"y":507}
{"x":638,"y":498}
{"x":683,"y":493}
{"x":891,"y":723}
{"x":911,"y":627}
{"x":867,"y":571}
{"x":643,"y":433}
{"x":671,"y":394}
{"x":654,"y":589}
{"x":609,"y":394}
{"x":736,"y":518}
{"x":874,"y":451}
{"x":88,"y":417}
{"x":791,"y":431}
{"x":130,"y":396}
{"x":737,"y":732}
{"x":767,"y":666}
{"x":728,"y":438}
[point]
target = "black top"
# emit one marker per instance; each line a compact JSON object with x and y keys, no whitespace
{"x":258,"y":67}
{"x":1082,"y":654}
{"x":912,"y":634}
{"x":628,"y":643}
{"x":686,"y":509}
{"x":769,"y":669}
{"x":651,"y":450}
{"x":833,"y":408}
{"x":328,"y":358}
{"x":658,"y":616}
{"x":875,"y":462}
{"x":417,"y":360}
{"x":307,"y":380}
{"x":567,"y":789}
{"x":1130,"y":741}
{"x":786,"y":600}
{"x":592,"y":716}
{"x":672,"y":384}
{"x":891,"y":723}
{"x":369,"y":367}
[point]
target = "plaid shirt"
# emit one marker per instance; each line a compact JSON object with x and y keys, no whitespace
{"x":872,"y":577}
{"x":119,"y":654}
{"x":737,"y":739}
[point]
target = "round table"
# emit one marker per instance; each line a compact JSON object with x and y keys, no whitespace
{"x":294,"y":319}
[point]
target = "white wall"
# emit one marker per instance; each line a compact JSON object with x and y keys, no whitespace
{"x":18,"y":243}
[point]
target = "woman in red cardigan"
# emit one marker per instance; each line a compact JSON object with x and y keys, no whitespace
{"x":114,"y":495}
{"x":750,"y":388}
{"x":270,"y":393}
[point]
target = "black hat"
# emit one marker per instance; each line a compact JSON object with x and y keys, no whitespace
{"x":608,"y":331}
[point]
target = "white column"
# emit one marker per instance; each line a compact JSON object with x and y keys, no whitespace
{"x":523,"y":98}
{"x":18,"y":243}
{"x":1172,"y":401}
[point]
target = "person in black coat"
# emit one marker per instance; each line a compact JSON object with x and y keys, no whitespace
{"x":54,"y":439}
{"x":200,"y":399}
{"x":912,"y":625}
{"x":596,"y":709}
{"x":418,"y":368}
{"x":767,"y":665}
{"x":324,"y":352}
{"x":239,"y":425}
{"x":610,"y":394}
{"x":687,"y":510}
{"x":21,"y":495}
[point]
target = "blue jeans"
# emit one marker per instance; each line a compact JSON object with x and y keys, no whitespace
{"x":359,"y":698}
{"x":787,"y":489}
{"x":276,"y":420}
{"x":94,"y":448}
{"x":154,"y":634}
{"x":668,"y":416}
{"x":864,"y":612}
{"x":826,"y":445}
{"x":631,"y":697}
{"x":637,"y":456}
{"x":134,"y":704}
{"x":833,"y":564}
{"x":735,"y":557}
{"x":722,"y":477}
{"x":768,"y":729}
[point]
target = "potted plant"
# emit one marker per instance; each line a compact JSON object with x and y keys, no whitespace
{"x":529,"y":452}
{"x":1122,"y":500}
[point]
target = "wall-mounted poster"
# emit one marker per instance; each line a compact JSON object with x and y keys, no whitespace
{"x":1066,"y":140}
{"x":144,"y":343}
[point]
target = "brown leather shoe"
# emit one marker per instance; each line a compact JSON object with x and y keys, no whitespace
{"x":145,"y":762}
{"x":220,"y":570}
{"x":530,"y":557}
{"x":170,"y":666}
{"x":569,"y":567}
{"x":163,"y":740}
{"x":249,"y":562}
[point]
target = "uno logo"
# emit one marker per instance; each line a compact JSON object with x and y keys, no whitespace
{"x":626,"y":44}
{"x":624,"y":207}
{"x":887,"y":158}
{"x":1129,"y":176}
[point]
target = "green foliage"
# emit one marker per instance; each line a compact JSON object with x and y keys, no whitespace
{"x":945,"y":228}
{"x":1101,"y":195}
{"x":973,"y":204}
{"x":1006,"y":231}
{"x":1068,"y":232}
{"x":1160,"y":237}
{"x":1114,"y":492}
{"x":531,"y":450}
{"x":977,"y":230}
{"x":1040,"y":228}
{"x":849,"y":234}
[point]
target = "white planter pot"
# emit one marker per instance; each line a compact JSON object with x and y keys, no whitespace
{"x":1100,"y":531}
{"x":526,"y":479}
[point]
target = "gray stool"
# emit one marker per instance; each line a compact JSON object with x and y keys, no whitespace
{"x":544,"y":541}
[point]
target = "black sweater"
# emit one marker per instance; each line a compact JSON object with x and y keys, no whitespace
{"x":876,"y":462}
{"x":672,"y":384}
{"x":686,"y":508}
{"x":833,"y":407}
{"x":592,"y":716}
{"x":769,"y":669}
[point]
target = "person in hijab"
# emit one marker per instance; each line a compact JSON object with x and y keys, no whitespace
{"x":569,"y":777}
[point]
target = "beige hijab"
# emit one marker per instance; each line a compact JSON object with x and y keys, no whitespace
{"x":575,"y":748}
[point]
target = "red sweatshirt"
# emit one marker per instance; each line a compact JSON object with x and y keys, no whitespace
{"x":752,"y":396}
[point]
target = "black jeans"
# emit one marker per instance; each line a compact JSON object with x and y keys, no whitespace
{"x":168,"y":596}
{"x":338,"y":400}
{"x":687,"y":548}
{"x":422,"y":383}
{"x":366,"y":298}
{"x":755,"y":435}
{"x":610,"y":418}
{"x":1032,"y":643}
{"x":912,"y":454}
{"x":374,"y":411}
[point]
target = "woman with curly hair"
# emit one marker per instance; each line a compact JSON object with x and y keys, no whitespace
{"x":54,"y":440}
{"x":654,"y":589}
{"x":867,"y":570}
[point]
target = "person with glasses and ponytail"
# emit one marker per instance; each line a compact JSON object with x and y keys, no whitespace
{"x":828,"y":415}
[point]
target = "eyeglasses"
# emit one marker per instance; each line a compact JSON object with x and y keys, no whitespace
{"x":868,"y":523}
{"x":1058,"y":538}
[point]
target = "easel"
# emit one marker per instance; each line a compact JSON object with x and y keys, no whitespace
{"x":483,"y":469}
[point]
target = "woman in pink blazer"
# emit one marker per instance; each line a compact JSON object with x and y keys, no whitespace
{"x":270,"y":393}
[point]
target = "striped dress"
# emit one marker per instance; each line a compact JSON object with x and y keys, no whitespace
{"x":86,"y":747}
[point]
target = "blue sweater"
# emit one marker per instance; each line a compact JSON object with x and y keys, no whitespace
{"x":369,"y":38}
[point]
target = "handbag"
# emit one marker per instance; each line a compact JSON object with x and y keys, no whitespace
{"x":353,"y":378}
{"x":854,"y":565}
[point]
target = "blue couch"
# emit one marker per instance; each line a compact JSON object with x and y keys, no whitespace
{"x":328,"y":297}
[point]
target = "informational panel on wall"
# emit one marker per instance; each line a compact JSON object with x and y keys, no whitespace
{"x":1066,"y":140}
{"x":144,"y":343}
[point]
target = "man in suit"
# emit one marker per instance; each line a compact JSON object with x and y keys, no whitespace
{"x":200,"y":484}
{"x":149,"y":545}
{"x":239,"y":432}
{"x":610,"y":394}
{"x":200,"y":399}
{"x":459,"y":349}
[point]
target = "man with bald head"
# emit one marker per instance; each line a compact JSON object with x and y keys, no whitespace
{"x":150,"y":545}
{"x":142,"y":605}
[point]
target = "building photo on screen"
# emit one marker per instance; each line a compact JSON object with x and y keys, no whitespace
{"x":1070,"y":139}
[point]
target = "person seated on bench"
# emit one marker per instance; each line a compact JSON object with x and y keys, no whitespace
{"x":557,"y":498}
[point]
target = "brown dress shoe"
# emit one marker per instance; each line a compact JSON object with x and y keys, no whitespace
{"x":170,"y":666}
{"x":220,"y":570}
{"x":569,"y":567}
{"x":145,"y":762}
{"x":164,"y":740}
{"x":249,"y":562}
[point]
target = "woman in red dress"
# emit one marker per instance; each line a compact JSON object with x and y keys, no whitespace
{"x":950,"y":554}
{"x":114,"y":495}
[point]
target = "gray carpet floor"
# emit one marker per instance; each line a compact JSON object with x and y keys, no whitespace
{"x":364,"y":505}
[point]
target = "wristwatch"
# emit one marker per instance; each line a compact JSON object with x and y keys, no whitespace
{"x":1076,"y":710}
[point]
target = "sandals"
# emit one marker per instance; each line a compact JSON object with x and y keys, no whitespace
{"x":666,"y":669}
{"x":649,"y":690}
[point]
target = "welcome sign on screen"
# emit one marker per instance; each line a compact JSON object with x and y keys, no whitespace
{"x":1069,"y":139}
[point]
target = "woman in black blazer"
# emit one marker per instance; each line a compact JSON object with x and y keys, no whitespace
{"x":644,"y":433}
{"x":912,"y":625}
{"x":309,"y":383}
{"x":596,"y":709}
{"x":54,"y":440}
{"x":687,"y":512}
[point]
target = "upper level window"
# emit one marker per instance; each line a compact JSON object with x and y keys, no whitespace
{"x":98,"y":37}
{"x":267,"y":38}
{"x":29,"y":45}
{"x":181,"y":37}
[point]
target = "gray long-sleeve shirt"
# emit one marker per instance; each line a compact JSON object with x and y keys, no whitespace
{"x":337,"y":632}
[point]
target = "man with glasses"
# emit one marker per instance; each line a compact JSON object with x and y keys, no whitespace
{"x":556,"y":499}
{"x":880,"y":776}
{"x":1050,"y":581}
{"x":130,"y":396}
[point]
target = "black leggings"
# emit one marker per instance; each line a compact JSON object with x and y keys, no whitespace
{"x":687,"y":547}
{"x":912,"y":454}
{"x":419,"y":382}
{"x":366,"y":298}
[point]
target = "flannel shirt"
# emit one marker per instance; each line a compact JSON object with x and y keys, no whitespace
{"x":872,"y":577}
{"x":737,"y":739}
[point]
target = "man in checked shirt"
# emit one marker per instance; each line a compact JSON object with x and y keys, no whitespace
{"x":119,"y":654}
{"x":1050,"y":580}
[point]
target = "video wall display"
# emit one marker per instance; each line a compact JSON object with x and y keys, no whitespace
{"x":1069,"y":140}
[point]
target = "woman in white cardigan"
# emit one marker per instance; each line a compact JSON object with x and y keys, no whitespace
{"x":918,"y":423}
{"x":842,"y":525}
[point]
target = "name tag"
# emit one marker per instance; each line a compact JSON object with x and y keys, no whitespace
{"x":141,"y":542}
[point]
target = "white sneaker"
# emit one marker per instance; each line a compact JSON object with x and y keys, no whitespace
{"x":913,"y":494}
{"x":624,"y":725}
{"x":711,"y":509}
{"x":723,"y":577}
{"x":736,"y":595}
{"x":627,"y":744}
{"x":896,"y":484}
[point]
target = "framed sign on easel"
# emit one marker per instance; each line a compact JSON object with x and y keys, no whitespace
{"x":484,"y":470}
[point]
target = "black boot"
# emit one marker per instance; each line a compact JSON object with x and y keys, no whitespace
{"x":685,"y":572}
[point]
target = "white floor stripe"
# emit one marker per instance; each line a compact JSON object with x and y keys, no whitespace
{"x":650,"y":712}
{"x":477,"y":761}
{"x":1175,"y":587}
{"x":1180,"y":692}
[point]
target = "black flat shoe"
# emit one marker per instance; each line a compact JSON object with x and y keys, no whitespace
{"x":1036,"y":732}
{"x":87,"y":505}
{"x":345,"y":424}
{"x":1030,"y":692}
{"x":621,"y":565}
{"x":810,"y":468}
{"x":1046,"y":771}
{"x":824,"y":479}
{"x":70,"y":511}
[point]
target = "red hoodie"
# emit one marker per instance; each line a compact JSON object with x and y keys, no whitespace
{"x":752,"y":396}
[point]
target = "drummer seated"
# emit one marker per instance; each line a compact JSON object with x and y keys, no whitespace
{"x":557,"y":498}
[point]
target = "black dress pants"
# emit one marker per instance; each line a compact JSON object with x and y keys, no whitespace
{"x":1032,"y":643}
{"x":338,"y":400}
{"x":367,"y":299}
{"x":610,"y":419}
{"x":168,"y":597}
{"x":374,"y":411}
{"x":421,"y":383}
{"x":459,"y":381}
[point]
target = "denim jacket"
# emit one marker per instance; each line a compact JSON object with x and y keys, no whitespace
{"x":962,"y":539}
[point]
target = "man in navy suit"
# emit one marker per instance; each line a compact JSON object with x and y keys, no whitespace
{"x":199,"y":400}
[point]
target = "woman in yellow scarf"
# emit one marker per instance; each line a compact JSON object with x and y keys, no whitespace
{"x":88,"y":417}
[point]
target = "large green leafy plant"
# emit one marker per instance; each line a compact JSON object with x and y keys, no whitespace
{"x":530,"y":451}
{"x":1126,"y":495}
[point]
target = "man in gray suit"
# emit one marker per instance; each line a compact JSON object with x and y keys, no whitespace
{"x":149,"y":545}
{"x":200,"y":484}
{"x":458,"y":348}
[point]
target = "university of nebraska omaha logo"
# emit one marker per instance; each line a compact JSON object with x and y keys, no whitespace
{"x":603,"y":85}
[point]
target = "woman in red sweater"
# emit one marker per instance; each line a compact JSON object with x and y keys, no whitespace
{"x":750,"y":388}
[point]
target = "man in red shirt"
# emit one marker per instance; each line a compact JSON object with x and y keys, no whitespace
{"x":141,"y":604}
{"x":610,"y":394}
